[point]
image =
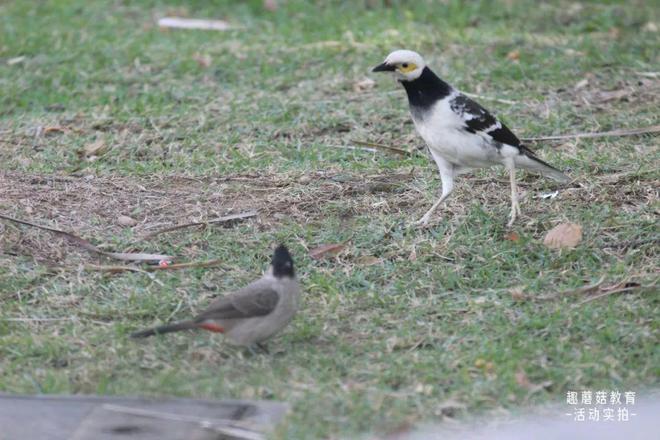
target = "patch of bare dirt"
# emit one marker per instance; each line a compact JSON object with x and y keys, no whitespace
{"x":96,"y":208}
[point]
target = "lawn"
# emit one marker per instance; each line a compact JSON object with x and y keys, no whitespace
{"x":404,"y":325}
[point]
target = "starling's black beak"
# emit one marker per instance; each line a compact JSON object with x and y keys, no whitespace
{"x":383,"y":68}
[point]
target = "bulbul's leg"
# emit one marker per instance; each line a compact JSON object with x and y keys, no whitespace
{"x":515,"y":208}
{"x":447,"y":177}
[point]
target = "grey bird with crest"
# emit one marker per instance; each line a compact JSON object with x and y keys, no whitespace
{"x":251,"y":315}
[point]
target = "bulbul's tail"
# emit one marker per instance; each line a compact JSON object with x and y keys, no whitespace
{"x":168,"y":328}
{"x":529,"y":161}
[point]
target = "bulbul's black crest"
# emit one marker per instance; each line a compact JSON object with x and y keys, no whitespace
{"x":282,"y":263}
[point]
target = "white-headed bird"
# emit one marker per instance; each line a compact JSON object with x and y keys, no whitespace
{"x":460,"y":133}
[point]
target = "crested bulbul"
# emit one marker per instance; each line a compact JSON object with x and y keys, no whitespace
{"x":252,"y":314}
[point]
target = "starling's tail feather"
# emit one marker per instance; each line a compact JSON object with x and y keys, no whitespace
{"x":168,"y":328}
{"x":528,"y":160}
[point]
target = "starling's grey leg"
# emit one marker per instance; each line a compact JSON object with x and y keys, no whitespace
{"x":447,"y":177}
{"x":515,"y":208}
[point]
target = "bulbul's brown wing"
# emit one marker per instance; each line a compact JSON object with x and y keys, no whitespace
{"x":253,"y":300}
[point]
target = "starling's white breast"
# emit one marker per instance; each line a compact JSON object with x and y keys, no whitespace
{"x":444,"y":131}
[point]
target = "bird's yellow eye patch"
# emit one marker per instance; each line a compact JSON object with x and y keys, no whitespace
{"x":407,"y":67}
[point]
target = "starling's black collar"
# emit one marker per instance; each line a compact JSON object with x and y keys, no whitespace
{"x":425,"y":91}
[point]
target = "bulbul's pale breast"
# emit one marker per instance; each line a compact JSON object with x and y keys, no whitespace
{"x":257,"y":329}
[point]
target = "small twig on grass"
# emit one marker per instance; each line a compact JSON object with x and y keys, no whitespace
{"x":37,"y":319}
{"x":615,"y":178}
{"x":112,"y":269}
{"x":70,"y":318}
{"x":117,"y":269}
{"x":608,"y":292}
{"x":124,"y":256}
{"x":195,"y":23}
{"x":225,"y":219}
{"x":653,"y":75}
{"x":383,"y":147}
{"x":621,"y":132}
{"x":328,"y":44}
{"x":208,"y":263}
{"x":586,"y":289}
{"x":579,"y":291}
{"x":417,"y":344}
{"x":488,"y":98}
{"x":596,"y":290}
{"x":633,"y":243}
{"x":348,"y":147}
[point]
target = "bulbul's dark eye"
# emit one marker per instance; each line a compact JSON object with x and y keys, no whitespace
{"x":404,"y":65}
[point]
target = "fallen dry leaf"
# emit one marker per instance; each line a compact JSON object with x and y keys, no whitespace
{"x":517,"y":293}
{"x":369,"y":260}
{"x":204,"y":60}
{"x":484,"y":364}
{"x":364,"y":84}
{"x":124,"y":220}
{"x":326,"y":250}
{"x":514,"y":55}
{"x":55,"y":129}
{"x":565,"y":235}
{"x":94,"y":149}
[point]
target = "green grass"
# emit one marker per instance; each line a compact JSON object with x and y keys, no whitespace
{"x":265,"y":126}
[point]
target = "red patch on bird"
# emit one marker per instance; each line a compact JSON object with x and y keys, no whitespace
{"x":212,"y":327}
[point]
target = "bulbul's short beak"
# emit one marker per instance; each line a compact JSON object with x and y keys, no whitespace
{"x":383,"y":68}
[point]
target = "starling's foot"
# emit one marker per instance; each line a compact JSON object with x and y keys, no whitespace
{"x":424,"y":221}
{"x":515,"y":212}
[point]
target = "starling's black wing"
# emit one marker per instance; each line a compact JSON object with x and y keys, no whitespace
{"x":479,"y":120}
{"x":257,"y":299}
